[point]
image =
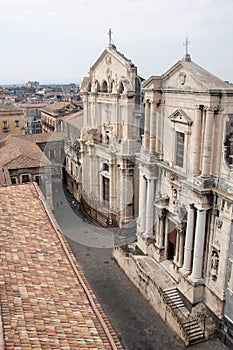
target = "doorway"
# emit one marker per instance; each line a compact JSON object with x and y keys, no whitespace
{"x":171,"y":237}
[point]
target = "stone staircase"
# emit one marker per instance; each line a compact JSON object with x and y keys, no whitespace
{"x":190,"y":324}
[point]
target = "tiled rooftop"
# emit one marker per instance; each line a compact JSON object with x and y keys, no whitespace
{"x":44,"y":137}
{"x":46,"y":303}
{"x":16,"y":153}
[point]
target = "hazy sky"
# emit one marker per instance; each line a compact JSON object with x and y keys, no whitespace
{"x":58,"y":40}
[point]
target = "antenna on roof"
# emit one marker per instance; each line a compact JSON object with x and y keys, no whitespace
{"x":187,"y":56}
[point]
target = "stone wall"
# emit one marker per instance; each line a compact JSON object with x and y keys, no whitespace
{"x":150,"y":291}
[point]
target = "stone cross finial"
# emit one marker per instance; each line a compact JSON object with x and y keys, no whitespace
{"x":110,"y":37}
{"x":186,"y":44}
{"x":187,"y":56}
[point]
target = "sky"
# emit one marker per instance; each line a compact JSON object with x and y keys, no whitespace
{"x":57,"y":41}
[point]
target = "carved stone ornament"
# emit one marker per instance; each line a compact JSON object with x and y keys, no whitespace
{"x":214,"y":265}
{"x":182,"y":78}
{"x":219,"y":223}
{"x":108,"y":60}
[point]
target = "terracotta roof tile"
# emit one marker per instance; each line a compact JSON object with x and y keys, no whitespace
{"x":17,"y":153}
{"x":46,"y":302}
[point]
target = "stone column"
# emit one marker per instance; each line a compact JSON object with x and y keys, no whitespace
{"x":161,"y":230}
{"x":196,"y":141}
{"x":158,"y":135}
{"x":150,"y":208}
{"x":147,"y":126}
{"x":199,"y":245}
{"x":166,"y":240}
{"x":188,"y":249}
{"x":152,"y":128}
{"x":176,"y":257}
{"x":207,"y":146}
{"x":91,"y":171}
{"x":123,"y":194}
{"x":181,"y":247}
{"x":142,"y":202}
{"x":112,"y":184}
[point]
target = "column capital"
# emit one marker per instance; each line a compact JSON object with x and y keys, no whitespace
{"x":201,"y":210}
{"x":211,"y":109}
{"x":151,"y":178}
{"x":180,"y":228}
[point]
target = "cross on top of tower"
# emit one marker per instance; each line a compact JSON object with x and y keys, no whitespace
{"x":110,"y":37}
{"x":187,"y":56}
{"x":186,"y":44}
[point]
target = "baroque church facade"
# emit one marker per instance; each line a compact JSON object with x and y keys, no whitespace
{"x":159,"y":153}
{"x":184,"y":228}
{"x":186,"y":174}
{"x":110,"y":138}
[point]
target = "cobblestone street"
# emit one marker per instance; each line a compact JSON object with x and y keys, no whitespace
{"x":136,"y":323}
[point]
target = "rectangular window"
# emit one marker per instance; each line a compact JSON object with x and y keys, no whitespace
{"x":13,"y":180}
{"x":38,"y":180}
{"x":16,"y":123}
{"x":105,"y":189}
{"x":180,"y":149}
{"x":25,"y":178}
{"x":5,"y":126}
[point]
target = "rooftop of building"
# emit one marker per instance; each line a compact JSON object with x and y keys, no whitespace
{"x":75,"y":119}
{"x":9,"y":108}
{"x":44,"y":137}
{"x":61,"y":108}
{"x":46,"y":302}
{"x":17,"y":153}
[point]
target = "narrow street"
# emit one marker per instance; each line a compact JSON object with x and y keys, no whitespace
{"x":136,"y":323}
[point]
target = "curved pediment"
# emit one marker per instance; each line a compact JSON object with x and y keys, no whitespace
{"x":180,"y":116}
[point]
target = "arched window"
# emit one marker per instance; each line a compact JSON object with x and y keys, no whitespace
{"x":89,"y":87}
{"x":105,"y":167}
{"x":121,"y":88}
{"x":111,"y":86}
{"x":97,"y":86}
{"x":104,"y":86}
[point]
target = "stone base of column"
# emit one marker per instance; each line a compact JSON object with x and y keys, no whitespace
{"x":142,"y":245}
{"x":159,"y":253}
{"x":205,"y":182}
{"x":184,"y":272}
{"x":194,"y":294}
{"x":195,"y":281}
{"x":148,"y":237}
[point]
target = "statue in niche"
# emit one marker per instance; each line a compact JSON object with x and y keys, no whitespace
{"x":214,"y":265}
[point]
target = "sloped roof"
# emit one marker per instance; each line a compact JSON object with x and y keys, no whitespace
{"x":116,"y":54}
{"x":16,"y":153}
{"x":75,"y":119}
{"x":44,"y":137}
{"x":205,"y":79}
{"x":200,"y":75}
{"x":46,"y":302}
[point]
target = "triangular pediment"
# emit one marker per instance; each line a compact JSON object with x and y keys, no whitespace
{"x":186,"y":75}
{"x":112,"y":64}
{"x":180,"y":116}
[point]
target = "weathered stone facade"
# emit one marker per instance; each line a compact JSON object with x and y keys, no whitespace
{"x":110,"y":139}
{"x":186,"y":188}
